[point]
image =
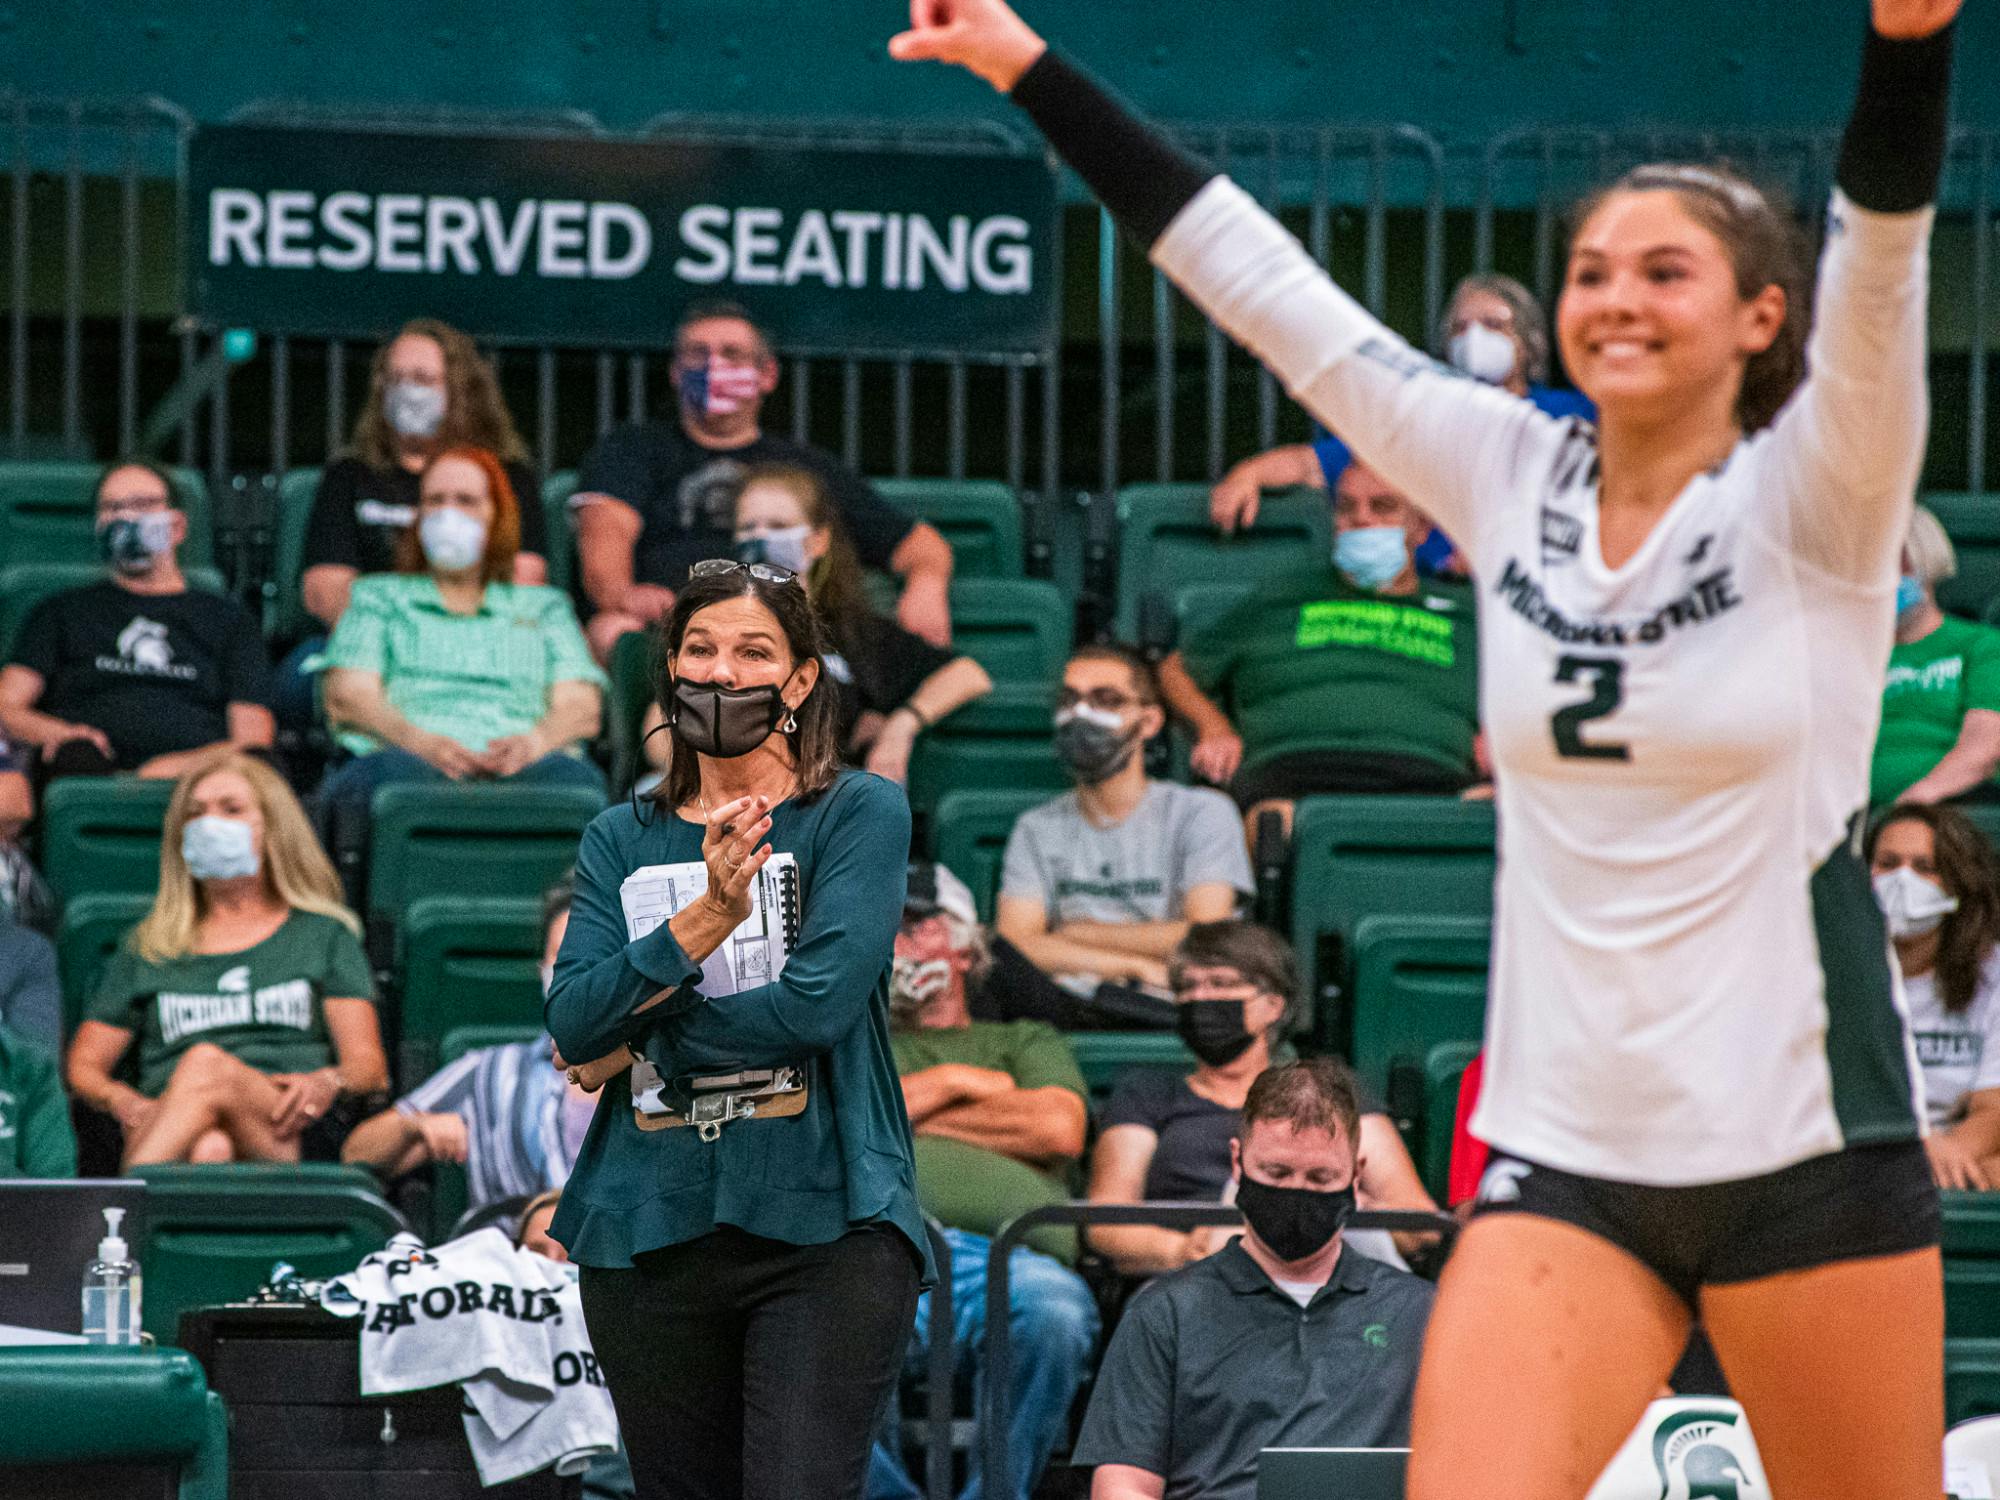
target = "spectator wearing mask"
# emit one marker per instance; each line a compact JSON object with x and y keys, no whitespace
{"x":998,"y":1110}
{"x":245,"y":988}
{"x":35,"y":1135}
{"x":891,"y":684}
{"x":137,"y":672}
{"x":1493,"y":330}
{"x":507,"y":1113}
{"x":1100,"y":884}
{"x":24,"y":898}
{"x":443,"y":670}
{"x":1281,"y":1339}
{"x":655,"y":498}
{"x":1167,"y":1136}
{"x":1357,"y":678}
{"x":1940,"y":734}
{"x":1939,"y":886}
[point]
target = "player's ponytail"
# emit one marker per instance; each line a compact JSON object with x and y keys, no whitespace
{"x":1758,"y":230}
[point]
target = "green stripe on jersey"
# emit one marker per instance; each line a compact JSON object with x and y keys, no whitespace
{"x":1865,"y":1049}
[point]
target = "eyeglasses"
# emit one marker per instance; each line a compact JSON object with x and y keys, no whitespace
{"x":1108,"y":699}
{"x":722,"y":567}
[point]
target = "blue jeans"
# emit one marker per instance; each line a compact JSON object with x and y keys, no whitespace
{"x":354,"y":783}
{"x":1054,"y":1330}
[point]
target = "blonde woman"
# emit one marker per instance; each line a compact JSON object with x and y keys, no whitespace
{"x":245,"y":987}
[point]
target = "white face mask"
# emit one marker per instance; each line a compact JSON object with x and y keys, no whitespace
{"x":452,"y":540}
{"x":1483,"y":353}
{"x":784,"y":546}
{"x":415,"y":411}
{"x":1913,"y":904}
{"x":217,"y":848}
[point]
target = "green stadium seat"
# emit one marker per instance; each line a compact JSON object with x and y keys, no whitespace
{"x":285,"y":616}
{"x":1971,"y":1379}
{"x":46,"y":513}
{"x":1357,"y":856}
{"x":214,"y":1232}
{"x":556,"y":490}
{"x":1103,"y":1055}
{"x":117,"y":1410}
{"x":466,"y":961}
{"x":93,"y":925}
{"x":969,"y":831}
{"x":1444,"y":1072}
{"x":1418,"y":982}
{"x":1972,"y":521}
{"x":1003,"y":740}
{"x":24,"y":585}
{"x":1972,"y":1265}
{"x":103,"y":834}
{"x":1199,"y":605}
{"x":631,"y":694}
{"x":1019,"y":629}
{"x":981,"y":518}
{"x":471,"y":841}
{"x":1166,"y":541}
{"x":1985,"y":816}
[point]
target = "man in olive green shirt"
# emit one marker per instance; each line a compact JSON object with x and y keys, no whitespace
{"x":35,"y":1138}
{"x":1356,"y":676}
{"x":998,"y":1110}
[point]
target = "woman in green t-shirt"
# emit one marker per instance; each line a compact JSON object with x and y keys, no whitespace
{"x":245,"y":987}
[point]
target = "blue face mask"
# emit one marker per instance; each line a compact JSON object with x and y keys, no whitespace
{"x":1372,"y":555}
{"x":1909,"y":594}
{"x":218,"y":848}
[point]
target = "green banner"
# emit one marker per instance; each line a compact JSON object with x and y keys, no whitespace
{"x":581,"y":241}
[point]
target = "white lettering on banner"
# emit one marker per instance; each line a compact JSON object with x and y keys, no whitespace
{"x":571,"y":239}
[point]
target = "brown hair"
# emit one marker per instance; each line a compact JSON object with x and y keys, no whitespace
{"x":474,"y":410}
{"x":815,"y":743}
{"x":1145,"y":681}
{"x":835,"y":582}
{"x":1967,"y":868}
{"x":1764,"y":245}
{"x":701,"y":312}
{"x":503,"y":537}
{"x":1262,"y":957}
{"x":1316,"y":1093}
{"x":118,"y":465}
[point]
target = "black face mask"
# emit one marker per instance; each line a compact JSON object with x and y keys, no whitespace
{"x":724,"y":722}
{"x":1294,"y":1222}
{"x":1093,"y":752}
{"x":1213,"y":1030}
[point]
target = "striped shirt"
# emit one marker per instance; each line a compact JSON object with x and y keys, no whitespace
{"x":472,"y":678}
{"x":511,"y":1099}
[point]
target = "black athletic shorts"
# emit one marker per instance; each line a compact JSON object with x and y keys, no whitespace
{"x":1852,"y":1204}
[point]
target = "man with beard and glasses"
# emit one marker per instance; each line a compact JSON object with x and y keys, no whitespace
{"x":1282,"y":1339}
{"x":998,"y":1111}
{"x":1099,"y":884}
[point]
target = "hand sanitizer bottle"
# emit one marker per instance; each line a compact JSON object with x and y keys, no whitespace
{"x":111,"y":1289}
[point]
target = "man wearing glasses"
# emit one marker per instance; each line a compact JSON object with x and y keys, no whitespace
{"x":654,"y":498}
{"x":136,"y":672}
{"x":1101,"y":884}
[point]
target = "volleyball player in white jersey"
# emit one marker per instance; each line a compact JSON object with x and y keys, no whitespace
{"x":1699,"y":1086}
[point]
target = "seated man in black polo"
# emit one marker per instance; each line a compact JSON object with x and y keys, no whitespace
{"x":136,"y":672}
{"x":1281,"y":1339}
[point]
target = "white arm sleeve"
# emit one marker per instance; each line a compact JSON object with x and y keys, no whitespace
{"x":1445,"y":441}
{"x":1845,"y":452}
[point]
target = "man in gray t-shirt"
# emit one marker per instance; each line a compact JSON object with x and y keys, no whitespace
{"x":1101,"y":883}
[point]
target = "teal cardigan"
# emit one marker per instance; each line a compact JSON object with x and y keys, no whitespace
{"x":805,"y":1179}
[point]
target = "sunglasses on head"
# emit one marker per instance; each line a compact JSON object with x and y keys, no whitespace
{"x":722,"y":567}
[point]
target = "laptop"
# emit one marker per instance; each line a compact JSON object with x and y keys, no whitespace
{"x":1331,"y":1473}
{"x":49,"y":1232}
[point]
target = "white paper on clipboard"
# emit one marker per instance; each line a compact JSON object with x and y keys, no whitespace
{"x":755,"y":952}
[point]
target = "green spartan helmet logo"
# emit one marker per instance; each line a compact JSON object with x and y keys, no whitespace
{"x":1692,"y":1464}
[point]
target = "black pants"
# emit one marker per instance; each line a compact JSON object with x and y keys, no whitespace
{"x":749,"y":1369}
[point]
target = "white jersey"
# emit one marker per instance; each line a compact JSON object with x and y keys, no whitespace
{"x":1691,"y":981}
{"x":1959,"y":1052}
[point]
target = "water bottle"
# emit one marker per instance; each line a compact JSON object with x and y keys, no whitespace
{"x":111,"y":1289}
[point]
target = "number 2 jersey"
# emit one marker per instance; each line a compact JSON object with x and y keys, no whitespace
{"x":1691,"y":981}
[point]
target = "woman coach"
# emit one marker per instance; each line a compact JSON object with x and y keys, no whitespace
{"x":749,"y":1285}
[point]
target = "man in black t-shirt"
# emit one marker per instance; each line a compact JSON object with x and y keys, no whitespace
{"x":137,"y":672}
{"x":654,"y":498}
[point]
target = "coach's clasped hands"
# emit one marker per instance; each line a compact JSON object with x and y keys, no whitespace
{"x":730,"y":849}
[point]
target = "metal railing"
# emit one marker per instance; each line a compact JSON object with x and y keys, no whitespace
{"x":996,"y":1462}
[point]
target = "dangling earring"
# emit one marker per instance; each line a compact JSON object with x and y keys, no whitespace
{"x":791,"y":724}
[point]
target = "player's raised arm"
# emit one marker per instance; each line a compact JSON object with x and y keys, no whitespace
{"x":1847,"y":454}
{"x":1426,"y":431}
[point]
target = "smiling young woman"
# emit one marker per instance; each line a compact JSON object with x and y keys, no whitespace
{"x":1698,"y":1085}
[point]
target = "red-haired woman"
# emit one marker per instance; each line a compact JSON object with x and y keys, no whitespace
{"x":445,"y":668}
